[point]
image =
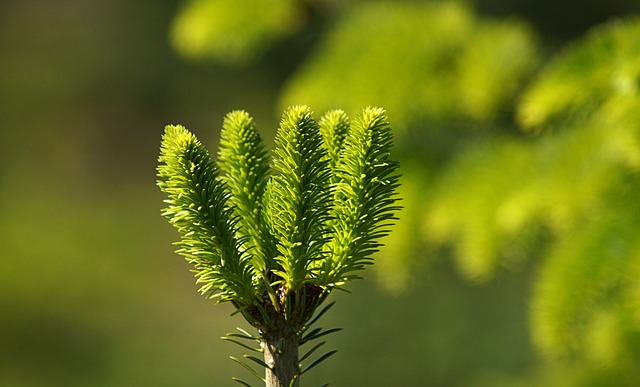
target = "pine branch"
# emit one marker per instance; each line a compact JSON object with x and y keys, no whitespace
{"x":245,"y":162}
{"x":299,"y":196}
{"x":334,"y":126}
{"x":601,"y":67}
{"x":364,"y":196}
{"x":589,"y":276}
{"x":198,"y":209}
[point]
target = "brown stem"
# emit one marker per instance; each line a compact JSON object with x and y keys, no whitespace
{"x":280,"y":328}
{"x":281,"y":355}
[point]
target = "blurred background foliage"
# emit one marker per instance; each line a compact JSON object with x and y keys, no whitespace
{"x":566,"y":195}
{"x":216,"y":30}
{"x":516,"y":125}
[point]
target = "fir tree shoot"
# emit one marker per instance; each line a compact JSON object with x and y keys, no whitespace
{"x":274,"y":235}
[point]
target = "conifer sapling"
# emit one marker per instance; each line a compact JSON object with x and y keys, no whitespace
{"x":274,"y":235}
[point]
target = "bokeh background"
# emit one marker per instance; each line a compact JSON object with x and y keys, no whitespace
{"x":91,"y":293}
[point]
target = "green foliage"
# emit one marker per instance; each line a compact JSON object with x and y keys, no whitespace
{"x":245,"y":163}
{"x":586,"y":300}
{"x":364,"y":195}
{"x":275,"y":236}
{"x":275,"y":220}
{"x":467,"y":206}
{"x":231,"y":31}
{"x":198,"y":209}
{"x":422,"y":61}
{"x":575,"y":184}
{"x":334,"y":127}
{"x":565,"y":195}
{"x":298,"y":209}
{"x":559,"y":192}
{"x":453,"y":78}
{"x":586,"y":77}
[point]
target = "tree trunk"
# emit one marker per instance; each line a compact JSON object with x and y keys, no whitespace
{"x":281,"y":355}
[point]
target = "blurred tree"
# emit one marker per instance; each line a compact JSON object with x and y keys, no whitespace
{"x":560,"y":192}
{"x":575,"y":183}
{"x":240,"y":32}
{"x":215,"y":28}
{"x":446,"y":76}
{"x":502,"y":196}
{"x":429,"y":61}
